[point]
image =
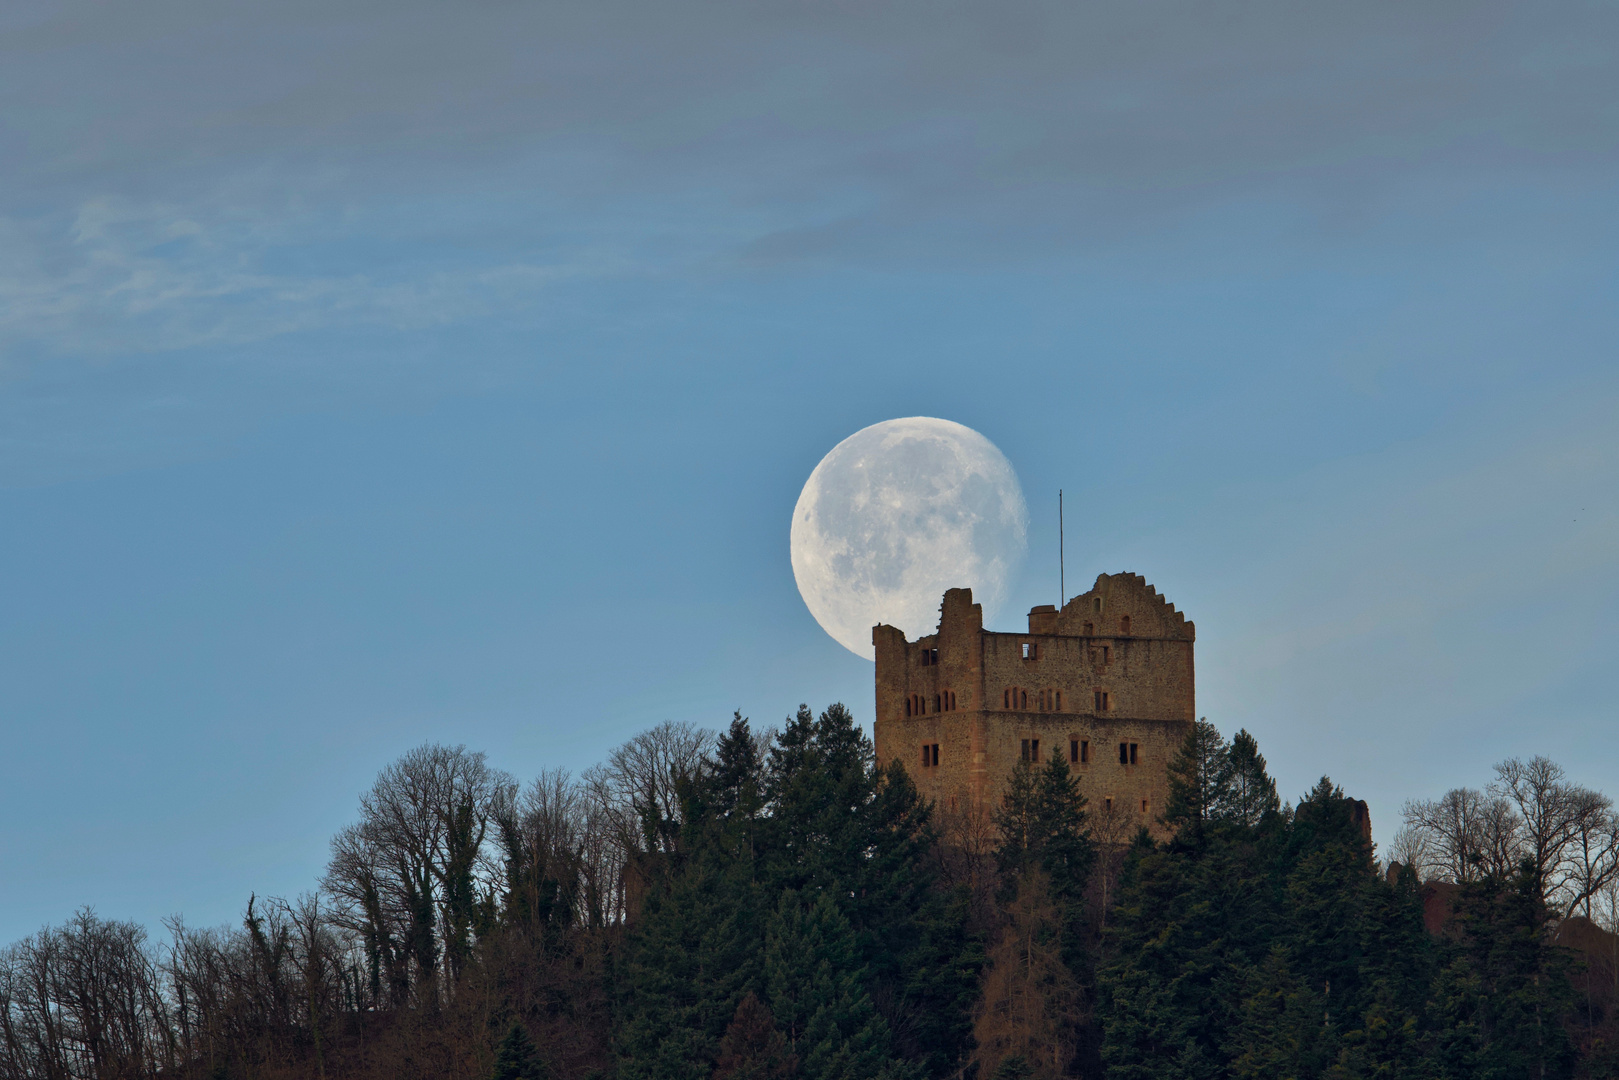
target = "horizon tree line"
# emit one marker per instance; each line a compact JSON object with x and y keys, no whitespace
{"x":774,"y":904}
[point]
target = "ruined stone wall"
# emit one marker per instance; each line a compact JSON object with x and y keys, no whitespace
{"x":1113,"y":667}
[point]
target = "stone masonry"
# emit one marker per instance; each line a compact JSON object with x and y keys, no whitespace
{"x":1107,"y":681}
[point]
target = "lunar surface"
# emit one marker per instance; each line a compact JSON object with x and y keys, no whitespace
{"x":896,"y":514}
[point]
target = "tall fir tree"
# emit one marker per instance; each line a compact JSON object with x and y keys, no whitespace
{"x":838,"y":823}
{"x":1199,"y":775}
{"x":1243,"y":791}
{"x":816,"y":987}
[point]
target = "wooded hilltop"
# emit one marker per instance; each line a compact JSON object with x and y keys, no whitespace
{"x":751,"y":905}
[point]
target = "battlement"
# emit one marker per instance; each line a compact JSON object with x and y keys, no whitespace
{"x":1109,"y":679}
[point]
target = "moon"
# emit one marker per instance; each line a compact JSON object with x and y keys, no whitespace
{"x":896,"y":514}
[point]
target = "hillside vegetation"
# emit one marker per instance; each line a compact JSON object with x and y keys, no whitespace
{"x":750,"y":905}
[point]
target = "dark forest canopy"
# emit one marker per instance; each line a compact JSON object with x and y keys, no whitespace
{"x":757,"y":905}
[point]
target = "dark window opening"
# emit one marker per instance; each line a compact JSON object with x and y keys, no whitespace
{"x":1107,"y":804}
{"x":1124,"y":753}
{"x":1031,"y":750}
{"x":1031,"y":650}
{"x":907,"y":706}
{"x":925,"y":761}
{"x":1084,"y":751}
{"x":1023,"y":699}
{"x":1143,"y":806}
{"x":937,"y":703}
{"x":1098,"y":602}
{"x":1107,"y":655}
{"x":1073,"y":751}
{"x":1101,"y":701}
{"x":1124,"y":625}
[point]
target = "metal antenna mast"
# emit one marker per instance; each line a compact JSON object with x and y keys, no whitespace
{"x":1062,"y":582}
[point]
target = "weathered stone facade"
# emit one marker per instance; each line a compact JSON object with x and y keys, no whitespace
{"x":1108,"y":681}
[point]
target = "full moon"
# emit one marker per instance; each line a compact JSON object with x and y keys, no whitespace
{"x":896,"y":514}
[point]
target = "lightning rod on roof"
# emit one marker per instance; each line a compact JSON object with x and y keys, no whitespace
{"x":1062,"y":583}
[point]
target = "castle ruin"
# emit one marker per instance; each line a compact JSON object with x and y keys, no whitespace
{"x":1107,"y":681}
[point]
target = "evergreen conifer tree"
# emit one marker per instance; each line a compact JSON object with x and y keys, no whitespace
{"x":517,"y":1059}
{"x":1244,"y":791}
{"x":815,"y":982}
{"x":838,"y":824}
{"x":1199,"y":775}
{"x":753,"y":1047}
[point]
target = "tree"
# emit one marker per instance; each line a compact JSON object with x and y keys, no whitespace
{"x":1468,"y":833}
{"x":1592,"y":859}
{"x":816,"y":986}
{"x":1032,"y":1006}
{"x":1042,"y":822}
{"x":690,"y":958}
{"x":1199,"y":775}
{"x":1243,"y":791}
{"x":836,"y":823}
{"x":517,"y":1059}
{"x":407,"y":873}
{"x":753,"y":1047}
{"x":1549,"y":810}
{"x":1500,"y":1003}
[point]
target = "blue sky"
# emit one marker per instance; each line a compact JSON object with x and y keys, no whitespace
{"x":379,"y":373}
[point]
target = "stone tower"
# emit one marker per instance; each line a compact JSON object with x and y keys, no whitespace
{"x":1107,"y":681}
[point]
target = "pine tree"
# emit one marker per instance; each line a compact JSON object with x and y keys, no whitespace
{"x":1282,"y":1030}
{"x":1199,"y":775}
{"x":1244,"y":791}
{"x":1042,"y":823}
{"x":695,"y":952}
{"x":517,"y":1059}
{"x":753,"y":1047}
{"x":816,"y":987}
{"x":864,"y":836}
{"x":691,"y":958}
{"x":1503,"y":997}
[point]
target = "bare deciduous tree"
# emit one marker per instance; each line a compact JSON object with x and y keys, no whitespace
{"x":1548,"y":810}
{"x":1466,"y":833}
{"x":408,"y":872}
{"x":1032,"y":1006}
{"x":1591,"y":860}
{"x":1411,"y":847}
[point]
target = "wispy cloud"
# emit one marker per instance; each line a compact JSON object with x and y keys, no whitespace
{"x":119,"y":277}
